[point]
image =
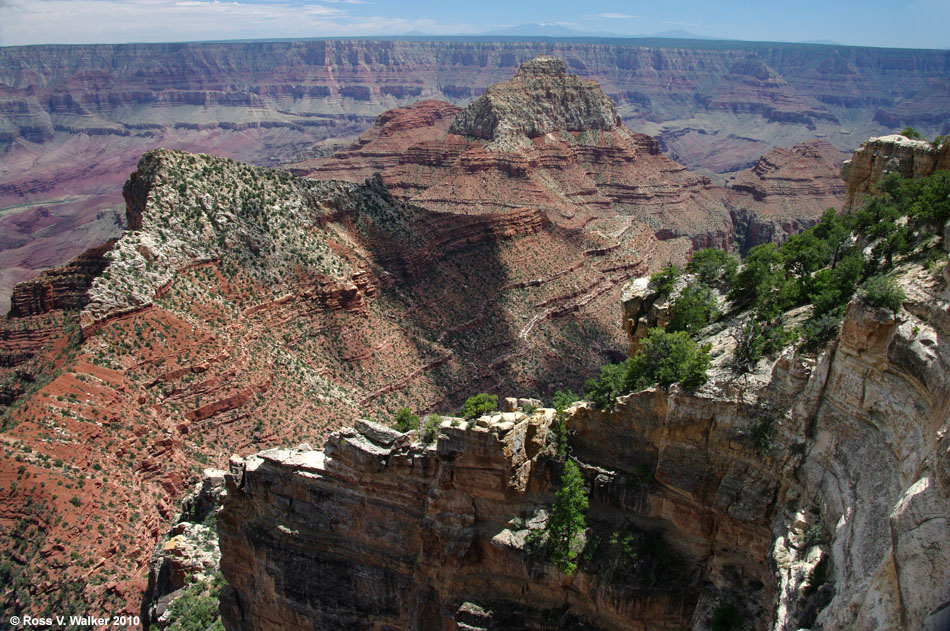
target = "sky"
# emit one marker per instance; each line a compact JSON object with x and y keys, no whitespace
{"x":889,"y":23}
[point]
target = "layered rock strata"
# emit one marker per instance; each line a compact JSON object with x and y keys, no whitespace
{"x":898,"y":154}
{"x":837,"y":519}
{"x":378,"y":530}
{"x":718,"y":106}
{"x":524,"y":106}
{"x":551,"y":140}
{"x":65,"y":287}
{"x":246,"y":305}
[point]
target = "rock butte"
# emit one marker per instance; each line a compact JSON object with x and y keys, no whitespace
{"x":551,"y":140}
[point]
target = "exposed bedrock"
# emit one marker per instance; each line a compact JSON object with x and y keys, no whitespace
{"x":65,"y":287}
{"x":890,"y":154}
{"x":524,"y":105}
{"x":712,"y":105}
{"x":549,"y":140}
{"x":839,"y":521}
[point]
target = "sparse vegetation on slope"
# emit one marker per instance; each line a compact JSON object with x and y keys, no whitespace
{"x":664,"y":359}
{"x":820,"y":269}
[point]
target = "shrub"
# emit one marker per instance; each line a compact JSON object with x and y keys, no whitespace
{"x":663,"y":281}
{"x":833,"y":288}
{"x":479,"y":405}
{"x":883,"y":292}
{"x":762,"y":283}
{"x":805,"y":253}
{"x":712,"y":266}
{"x":562,"y":399}
{"x":834,"y":230}
{"x":692,"y":310}
{"x":405,"y":420}
{"x":750,"y":342}
{"x":762,"y":433}
{"x":668,"y":358}
{"x":197,"y":608}
{"x":609,"y":384}
{"x":431,"y":429}
{"x":816,"y":332}
{"x":910,"y":132}
{"x":559,"y":435}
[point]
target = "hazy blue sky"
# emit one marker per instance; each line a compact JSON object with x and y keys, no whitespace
{"x":906,"y":23}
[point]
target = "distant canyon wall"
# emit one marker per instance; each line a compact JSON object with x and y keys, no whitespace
{"x":832,"y":90}
{"x":715,"y":105}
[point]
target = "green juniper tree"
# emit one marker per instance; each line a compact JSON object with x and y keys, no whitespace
{"x":567,"y":524}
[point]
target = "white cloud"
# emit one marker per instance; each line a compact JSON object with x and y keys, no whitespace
{"x":117,"y":21}
{"x":616,"y":16}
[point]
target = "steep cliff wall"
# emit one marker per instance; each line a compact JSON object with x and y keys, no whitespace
{"x":889,"y":154}
{"x":837,"y":521}
{"x":65,"y":287}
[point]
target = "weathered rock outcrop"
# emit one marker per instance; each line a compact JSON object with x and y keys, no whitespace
{"x":540,"y":99}
{"x":378,"y":530}
{"x":784,"y":192}
{"x":188,"y":553}
{"x":643,"y":307}
{"x":814,"y":495}
{"x":889,"y":154}
{"x":65,"y":287}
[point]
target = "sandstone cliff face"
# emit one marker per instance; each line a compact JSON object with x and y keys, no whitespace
{"x":838,"y":521}
{"x":889,"y":154}
{"x":61,"y":288}
{"x":376,"y":531}
{"x":877,"y":408}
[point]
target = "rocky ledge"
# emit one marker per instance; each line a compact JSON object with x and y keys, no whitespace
{"x":890,"y":154}
{"x":839,"y":520}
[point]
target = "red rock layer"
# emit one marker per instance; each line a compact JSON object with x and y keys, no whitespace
{"x":718,"y":107}
{"x":573,"y":177}
{"x":784,"y":192}
{"x":61,"y":288}
{"x":409,"y":306}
